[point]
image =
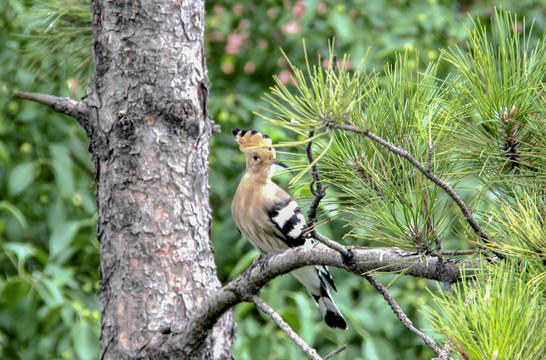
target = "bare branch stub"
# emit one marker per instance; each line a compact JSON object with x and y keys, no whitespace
{"x":79,"y":110}
{"x":63,"y":105}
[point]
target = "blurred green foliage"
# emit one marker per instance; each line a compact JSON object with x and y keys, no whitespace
{"x":49,"y":304}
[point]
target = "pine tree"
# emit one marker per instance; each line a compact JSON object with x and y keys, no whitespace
{"x":398,"y":152}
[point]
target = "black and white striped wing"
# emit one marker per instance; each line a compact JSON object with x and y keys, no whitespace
{"x":289,"y":220}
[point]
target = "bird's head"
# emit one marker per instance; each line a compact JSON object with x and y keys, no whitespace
{"x":260,"y":155}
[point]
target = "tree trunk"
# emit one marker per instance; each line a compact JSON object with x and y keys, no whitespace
{"x":149,"y":134}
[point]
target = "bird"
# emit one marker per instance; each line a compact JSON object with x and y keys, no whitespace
{"x":272,"y":221}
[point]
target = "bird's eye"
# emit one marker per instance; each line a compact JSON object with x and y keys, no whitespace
{"x":255,"y":157}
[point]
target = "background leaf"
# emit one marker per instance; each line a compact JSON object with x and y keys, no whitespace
{"x":60,"y":239}
{"x":20,"y":178}
{"x":85,"y":341}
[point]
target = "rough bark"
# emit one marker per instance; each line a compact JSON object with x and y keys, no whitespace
{"x":149,"y":135}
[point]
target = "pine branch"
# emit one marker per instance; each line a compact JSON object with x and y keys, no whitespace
{"x":362,"y":261}
{"x":262,"y":305}
{"x":467,"y":213}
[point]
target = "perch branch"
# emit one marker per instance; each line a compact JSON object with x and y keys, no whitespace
{"x":401,"y":315}
{"x":467,"y":213}
{"x":67,"y":106}
{"x":262,"y":305}
{"x":362,"y":261}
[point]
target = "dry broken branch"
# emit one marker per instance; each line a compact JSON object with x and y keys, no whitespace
{"x":63,"y":105}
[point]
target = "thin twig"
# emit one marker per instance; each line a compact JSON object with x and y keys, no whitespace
{"x":334,"y":62}
{"x":315,"y":185}
{"x":335,"y":352}
{"x":401,"y":315}
{"x":318,"y":192}
{"x":262,"y":305}
{"x":331,"y":244}
{"x":430,"y":153}
{"x":467,"y":213}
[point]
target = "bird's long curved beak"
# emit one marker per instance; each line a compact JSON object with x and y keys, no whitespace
{"x":280,"y":163}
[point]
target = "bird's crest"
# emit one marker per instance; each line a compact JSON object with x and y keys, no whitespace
{"x":254,"y":140}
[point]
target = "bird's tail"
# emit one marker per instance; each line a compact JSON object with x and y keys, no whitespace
{"x":313,"y":279}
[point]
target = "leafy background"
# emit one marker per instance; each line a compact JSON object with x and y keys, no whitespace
{"x":49,"y":257}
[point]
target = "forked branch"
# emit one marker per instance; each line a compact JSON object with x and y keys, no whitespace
{"x":318,"y":192}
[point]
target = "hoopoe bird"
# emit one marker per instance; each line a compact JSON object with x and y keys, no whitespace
{"x":268,"y":216}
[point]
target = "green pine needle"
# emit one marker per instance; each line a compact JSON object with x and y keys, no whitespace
{"x":498,"y":315}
